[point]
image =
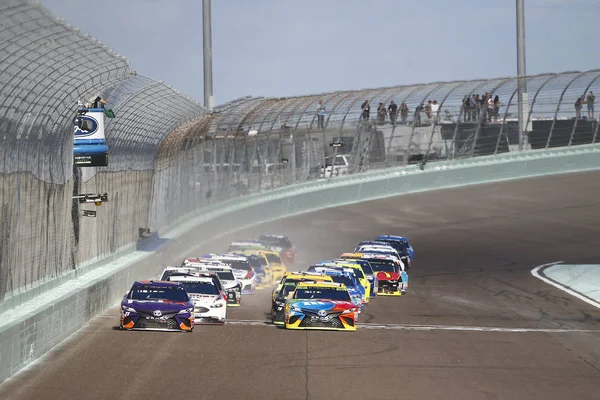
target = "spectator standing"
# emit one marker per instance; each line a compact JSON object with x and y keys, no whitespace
{"x":321,"y":114}
{"x":418,"y":111}
{"x":490,"y":108}
{"x":366,"y":110}
{"x":578,"y":106}
{"x":496,"y":107}
{"x":435,"y":109}
{"x":404,"y":110}
{"x":381,"y":114}
{"x":473,"y":107}
{"x":590,"y":104}
{"x":428,"y":109}
{"x":483,"y":106}
{"x":466,"y":108}
{"x":393,"y":110}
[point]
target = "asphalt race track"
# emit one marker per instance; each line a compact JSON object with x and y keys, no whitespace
{"x":475,"y":325}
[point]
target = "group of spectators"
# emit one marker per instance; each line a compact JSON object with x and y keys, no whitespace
{"x":484,"y":106}
{"x":475,"y":107}
{"x":589,"y":100}
{"x":392,"y":111}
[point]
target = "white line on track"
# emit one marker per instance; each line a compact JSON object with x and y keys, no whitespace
{"x":409,"y":327}
{"x":536,"y":272}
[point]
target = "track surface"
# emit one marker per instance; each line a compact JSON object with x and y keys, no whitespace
{"x":474,"y":248}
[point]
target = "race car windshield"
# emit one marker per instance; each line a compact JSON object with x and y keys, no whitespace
{"x":382,"y":266}
{"x":358,"y":273}
{"x":157,"y":293}
{"x":168,"y":274}
{"x":343,"y":279}
{"x":276,"y":242}
{"x":225,"y":275}
{"x":366,"y":267}
{"x":322,"y":293}
{"x":400,"y":246}
{"x":239,"y":265}
{"x":273,"y":258}
{"x":200,"y":287}
{"x":287,"y":289}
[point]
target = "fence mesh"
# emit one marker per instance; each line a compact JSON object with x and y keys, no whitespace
{"x":169,"y":157}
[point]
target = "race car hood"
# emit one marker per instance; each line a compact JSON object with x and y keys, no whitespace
{"x":327,"y":305}
{"x":203,"y":299}
{"x":150,"y":306}
{"x":388,"y":276}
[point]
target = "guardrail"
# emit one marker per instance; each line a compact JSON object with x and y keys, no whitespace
{"x":33,"y":329}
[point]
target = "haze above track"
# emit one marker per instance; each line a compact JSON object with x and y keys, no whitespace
{"x":474,"y":246}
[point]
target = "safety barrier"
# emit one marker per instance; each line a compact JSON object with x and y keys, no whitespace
{"x":30,"y":332}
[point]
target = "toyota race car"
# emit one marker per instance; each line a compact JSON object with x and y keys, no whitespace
{"x":157,"y":305}
{"x":320,"y":306}
{"x":288,"y":285}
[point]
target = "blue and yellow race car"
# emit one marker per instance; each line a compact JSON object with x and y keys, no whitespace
{"x":320,"y":305}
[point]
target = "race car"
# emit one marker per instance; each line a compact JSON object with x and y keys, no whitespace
{"x":281,"y":244}
{"x":276,"y":264}
{"x":241,"y":245}
{"x":346,"y":277}
{"x":231,"y":285}
{"x":287,"y":286}
{"x":241,"y":269}
{"x":358,"y":272}
{"x":210,"y":306}
{"x":158,"y":306}
{"x":393,"y":280}
{"x":371,"y":245}
{"x":385,"y":249}
{"x":298,"y":275}
{"x":196,"y":271}
{"x":400,"y":243}
{"x":366,"y":266}
{"x":320,"y":305}
{"x":260,"y":265}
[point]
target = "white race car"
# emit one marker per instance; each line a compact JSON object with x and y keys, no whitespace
{"x":231,"y":285}
{"x":210,"y":305}
{"x":241,"y":268}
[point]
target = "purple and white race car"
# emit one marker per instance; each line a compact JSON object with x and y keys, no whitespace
{"x":158,"y":306}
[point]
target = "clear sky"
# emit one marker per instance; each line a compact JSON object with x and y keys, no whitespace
{"x":291,"y":47}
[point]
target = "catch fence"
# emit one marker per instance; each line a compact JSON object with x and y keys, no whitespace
{"x":169,"y":157}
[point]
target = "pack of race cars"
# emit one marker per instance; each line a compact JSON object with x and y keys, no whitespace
{"x":328,"y":295}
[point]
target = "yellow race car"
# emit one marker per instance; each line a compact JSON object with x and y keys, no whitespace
{"x":275,"y":262}
{"x":299,"y":275}
{"x":261,"y":266}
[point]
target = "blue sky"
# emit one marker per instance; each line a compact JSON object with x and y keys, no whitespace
{"x":290,"y":47}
